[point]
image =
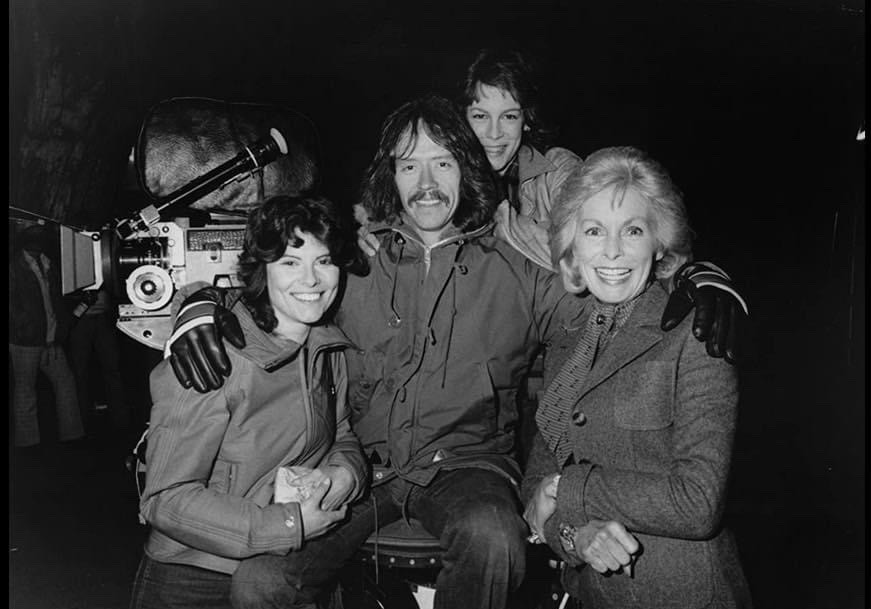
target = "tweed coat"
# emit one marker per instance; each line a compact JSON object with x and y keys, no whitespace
{"x":652,"y":453}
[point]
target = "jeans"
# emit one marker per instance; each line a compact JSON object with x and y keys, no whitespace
{"x":171,"y":586}
{"x":473,"y":512}
{"x":97,"y":334}
{"x":27,"y":361}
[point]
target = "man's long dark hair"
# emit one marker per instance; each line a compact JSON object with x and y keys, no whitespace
{"x":440,"y":120}
{"x":272,"y":227}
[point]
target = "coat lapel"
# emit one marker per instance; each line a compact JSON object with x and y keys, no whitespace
{"x":640,"y":333}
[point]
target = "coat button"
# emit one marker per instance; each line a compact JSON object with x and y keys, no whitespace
{"x":579,"y":418}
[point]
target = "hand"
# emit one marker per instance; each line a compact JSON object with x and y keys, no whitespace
{"x":367,"y":241}
{"x":195,"y":349}
{"x":341,"y":486}
{"x":720,"y":312}
{"x":606,"y":546}
{"x":541,"y":507}
{"x":315,"y":520}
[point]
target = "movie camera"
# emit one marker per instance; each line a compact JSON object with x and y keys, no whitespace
{"x":147,"y":259}
{"x":143,"y":259}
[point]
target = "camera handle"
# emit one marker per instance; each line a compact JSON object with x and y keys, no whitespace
{"x":252,"y":158}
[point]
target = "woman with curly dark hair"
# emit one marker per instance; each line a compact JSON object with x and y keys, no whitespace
{"x":215,"y":494}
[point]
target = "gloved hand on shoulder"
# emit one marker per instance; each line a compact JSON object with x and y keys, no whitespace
{"x":721,"y":312}
{"x":195,"y":348}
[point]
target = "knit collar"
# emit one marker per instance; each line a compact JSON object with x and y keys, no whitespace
{"x":618,"y":313}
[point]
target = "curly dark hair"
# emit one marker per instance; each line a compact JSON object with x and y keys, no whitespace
{"x":271,"y":228}
{"x":439,"y":118}
{"x":510,"y":71}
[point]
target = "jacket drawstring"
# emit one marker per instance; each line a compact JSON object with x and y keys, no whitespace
{"x":377,"y":532}
{"x":395,"y":320}
{"x":457,"y":267}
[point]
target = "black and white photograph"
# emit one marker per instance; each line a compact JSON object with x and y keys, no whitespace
{"x":461,"y":305}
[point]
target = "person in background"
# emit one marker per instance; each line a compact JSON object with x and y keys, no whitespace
{"x":628,"y":472}
{"x":38,"y":327}
{"x":93,"y":332}
{"x":214,"y":493}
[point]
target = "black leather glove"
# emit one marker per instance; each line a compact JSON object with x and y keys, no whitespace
{"x":195,"y":348}
{"x":721,"y":313}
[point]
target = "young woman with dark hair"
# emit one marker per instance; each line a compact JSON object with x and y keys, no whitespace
{"x":214,"y":459}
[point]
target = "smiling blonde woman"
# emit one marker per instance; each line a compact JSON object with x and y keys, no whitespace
{"x":628,"y":472}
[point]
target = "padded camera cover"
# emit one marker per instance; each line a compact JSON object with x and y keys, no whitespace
{"x":182,"y":138}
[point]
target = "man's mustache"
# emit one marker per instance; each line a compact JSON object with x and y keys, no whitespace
{"x":433,"y":193}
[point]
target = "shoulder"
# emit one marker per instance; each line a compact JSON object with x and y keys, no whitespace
{"x":250,"y":329}
{"x":693,"y":363}
{"x":552,"y":167}
{"x":164,"y":386}
{"x":501,"y":267}
{"x":562,"y":157}
{"x":490,"y":250}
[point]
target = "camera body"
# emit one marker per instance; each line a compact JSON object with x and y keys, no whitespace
{"x":175,"y":254}
{"x":145,"y":270}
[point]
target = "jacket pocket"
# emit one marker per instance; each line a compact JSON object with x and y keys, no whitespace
{"x":644,"y":396}
{"x":490,"y":396}
{"x":223,"y":475}
{"x":323,"y":399}
{"x":365,"y":371}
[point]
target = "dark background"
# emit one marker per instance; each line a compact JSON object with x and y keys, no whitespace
{"x":753,"y":105}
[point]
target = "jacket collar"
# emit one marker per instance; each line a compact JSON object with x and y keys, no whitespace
{"x":532,"y":163}
{"x":639,"y":334}
{"x":409,"y":234}
{"x":269,"y":352}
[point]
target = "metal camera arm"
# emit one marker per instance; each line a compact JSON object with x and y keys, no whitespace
{"x":251,"y":159}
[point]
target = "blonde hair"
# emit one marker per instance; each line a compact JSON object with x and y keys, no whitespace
{"x":621,"y":168}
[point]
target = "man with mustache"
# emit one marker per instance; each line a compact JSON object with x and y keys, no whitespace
{"x":446,"y":324}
